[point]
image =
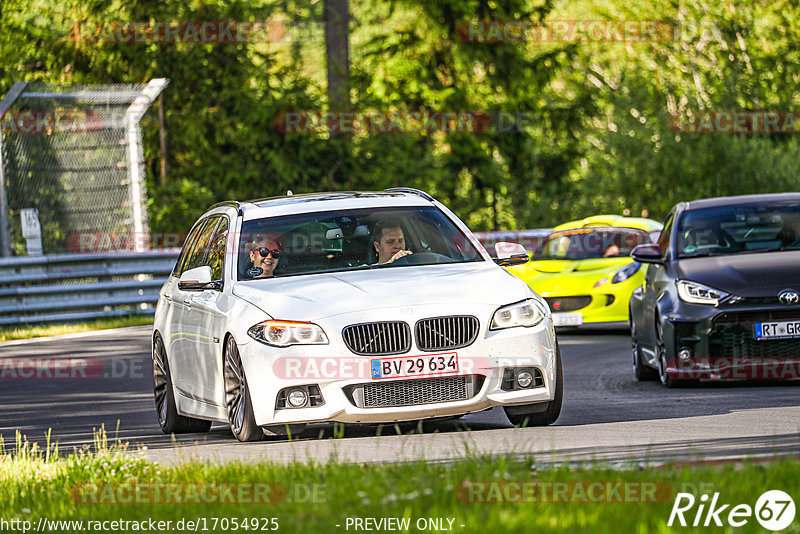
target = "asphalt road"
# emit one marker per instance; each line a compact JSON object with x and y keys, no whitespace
{"x":606,"y":414}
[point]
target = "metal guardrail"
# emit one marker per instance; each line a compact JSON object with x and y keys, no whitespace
{"x":73,"y":287}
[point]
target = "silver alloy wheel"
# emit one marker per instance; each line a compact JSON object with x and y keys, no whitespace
{"x":160,"y":381}
{"x":235,"y":386}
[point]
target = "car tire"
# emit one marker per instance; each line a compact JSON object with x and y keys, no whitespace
{"x":237,"y":396}
{"x":538,"y":416}
{"x":642,"y":371}
{"x":661,"y":350}
{"x":169,"y":419}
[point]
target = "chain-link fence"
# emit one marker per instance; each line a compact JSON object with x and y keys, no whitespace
{"x":74,"y":153}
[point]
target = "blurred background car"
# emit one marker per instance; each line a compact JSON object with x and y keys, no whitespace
{"x":584,"y":270}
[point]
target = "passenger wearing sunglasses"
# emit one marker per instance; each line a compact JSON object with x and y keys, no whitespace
{"x":264,"y":254}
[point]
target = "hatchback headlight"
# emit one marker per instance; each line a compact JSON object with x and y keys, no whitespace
{"x":695,"y":293}
{"x":526,"y":313}
{"x":626,"y":272}
{"x":285,"y":333}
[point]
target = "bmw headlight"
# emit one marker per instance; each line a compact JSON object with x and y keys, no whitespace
{"x":626,"y":272}
{"x":695,"y":293}
{"x":285,"y":333}
{"x":527,"y":313}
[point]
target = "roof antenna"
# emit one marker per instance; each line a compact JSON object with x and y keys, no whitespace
{"x":289,"y":193}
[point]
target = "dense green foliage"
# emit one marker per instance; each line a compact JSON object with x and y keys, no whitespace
{"x":593,"y":138}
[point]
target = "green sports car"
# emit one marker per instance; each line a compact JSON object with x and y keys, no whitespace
{"x":584,"y":269}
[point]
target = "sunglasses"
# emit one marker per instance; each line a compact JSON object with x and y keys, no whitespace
{"x":264,"y":251}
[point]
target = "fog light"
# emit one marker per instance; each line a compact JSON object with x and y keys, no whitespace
{"x":297,"y":398}
{"x":684,"y":354}
{"x":524,"y":379}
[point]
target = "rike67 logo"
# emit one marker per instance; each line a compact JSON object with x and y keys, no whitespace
{"x":774,"y":510}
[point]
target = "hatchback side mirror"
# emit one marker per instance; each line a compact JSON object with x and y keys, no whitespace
{"x":650,"y":253}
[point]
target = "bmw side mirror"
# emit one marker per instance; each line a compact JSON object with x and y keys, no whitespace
{"x":647,"y":254}
{"x":198,"y":279}
{"x":509,"y":254}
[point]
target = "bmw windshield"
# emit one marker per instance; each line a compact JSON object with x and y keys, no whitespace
{"x":739,"y":229}
{"x":345,"y":240}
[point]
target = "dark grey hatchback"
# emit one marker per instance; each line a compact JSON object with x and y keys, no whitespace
{"x":721,"y":299}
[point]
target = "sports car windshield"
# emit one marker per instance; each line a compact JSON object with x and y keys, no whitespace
{"x":739,"y":229}
{"x":345,"y":240}
{"x":589,"y":243}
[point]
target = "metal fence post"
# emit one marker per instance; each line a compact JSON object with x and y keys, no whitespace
{"x":133,"y":138}
{"x":5,"y":223}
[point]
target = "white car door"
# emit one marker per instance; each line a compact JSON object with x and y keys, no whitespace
{"x":184,"y":332}
{"x":206,"y":318}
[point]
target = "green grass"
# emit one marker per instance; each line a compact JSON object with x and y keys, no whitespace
{"x":28,"y":331}
{"x":36,"y":482}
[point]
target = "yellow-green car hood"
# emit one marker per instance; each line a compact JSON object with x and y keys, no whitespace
{"x":568,"y":277}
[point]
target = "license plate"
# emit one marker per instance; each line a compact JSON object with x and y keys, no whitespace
{"x":780,"y":330}
{"x":410,"y":366}
{"x":568,"y":319}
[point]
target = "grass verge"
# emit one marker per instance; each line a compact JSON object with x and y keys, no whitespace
{"x":27,"y":332}
{"x":104,"y":483}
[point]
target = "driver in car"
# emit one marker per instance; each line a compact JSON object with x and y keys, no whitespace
{"x":264,"y":254}
{"x":389,"y":242}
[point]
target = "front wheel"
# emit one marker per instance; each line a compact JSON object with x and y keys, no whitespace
{"x":666,"y":380}
{"x":237,"y":397}
{"x":169,"y":419}
{"x":642,"y":371}
{"x":540,"y":414}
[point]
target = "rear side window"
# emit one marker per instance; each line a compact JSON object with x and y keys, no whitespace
{"x":197,"y":254}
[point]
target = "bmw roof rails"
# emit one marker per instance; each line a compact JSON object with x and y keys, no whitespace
{"x":411,"y":190}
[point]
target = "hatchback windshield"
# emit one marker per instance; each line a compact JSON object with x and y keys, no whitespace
{"x":737,"y":229}
{"x":588,"y":243}
{"x":346,"y":240}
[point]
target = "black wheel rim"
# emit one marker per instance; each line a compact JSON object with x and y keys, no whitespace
{"x":160,"y":380}
{"x":235,"y":387}
{"x":662,"y":354}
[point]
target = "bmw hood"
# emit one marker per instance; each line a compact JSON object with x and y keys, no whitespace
{"x":760,"y":274}
{"x":315,"y":296}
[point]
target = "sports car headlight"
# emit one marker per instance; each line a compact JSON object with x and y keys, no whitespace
{"x":526,"y":313}
{"x":699,"y":294}
{"x":285,"y":333}
{"x":626,"y":272}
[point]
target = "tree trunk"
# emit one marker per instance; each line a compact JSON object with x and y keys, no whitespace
{"x":337,"y":49}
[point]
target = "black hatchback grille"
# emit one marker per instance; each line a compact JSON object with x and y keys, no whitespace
{"x":440,"y":333}
{"x":734,"y":336}
{"x":567,"y":304}
{"x":391,"y":337}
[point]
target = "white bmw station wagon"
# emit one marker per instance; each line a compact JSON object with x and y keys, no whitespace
{"x":354,"y":307}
